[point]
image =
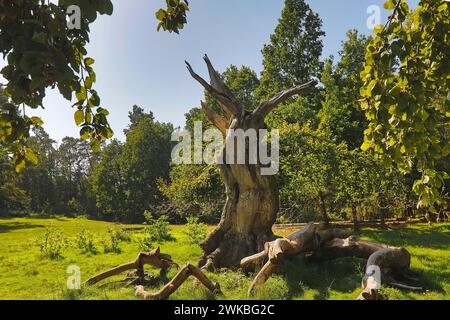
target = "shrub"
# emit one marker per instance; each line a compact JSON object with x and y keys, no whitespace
{"x":195,"y":231}
{"x":158,"y":230}
{"x":52,"y":243}
{"x":85,"y":242}
{"x":111,"y":243}
{"x":123,"y":235}
{"x":146,"y":243}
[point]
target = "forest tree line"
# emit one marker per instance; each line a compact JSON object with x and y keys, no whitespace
{"x":324,"y":174}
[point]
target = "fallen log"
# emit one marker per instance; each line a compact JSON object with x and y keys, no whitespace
{"x":307,"y":239}
{"x":289,"y":245}
{"x":176,"y":282}
{"x":348,"y":247}
{"x":154,"y":258}
{"x":384,"y":264}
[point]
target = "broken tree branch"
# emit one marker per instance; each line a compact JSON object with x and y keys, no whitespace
{"x":218,"y":121}
{"x":302,"y":240}
{"x":176,"y":282}
{"x":264,"y":109}
{"x":154,"y":258}
{"x":227,"y":103}
{"x":382,"y":267}
{"x":216,"y":80}
{"x":326,"y":244}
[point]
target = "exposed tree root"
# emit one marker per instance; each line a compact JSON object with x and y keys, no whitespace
{"x":384,"y":263}
{"x":176,"y":282}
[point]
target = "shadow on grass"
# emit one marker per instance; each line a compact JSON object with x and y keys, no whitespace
{"x":342,"y":275}
{"x":11,"y":226}
{"x":435,"y":237}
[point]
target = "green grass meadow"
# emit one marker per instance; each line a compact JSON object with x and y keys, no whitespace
{"x":25,"y":274}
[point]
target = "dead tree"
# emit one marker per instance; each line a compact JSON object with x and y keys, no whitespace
{"x":252,"y":200}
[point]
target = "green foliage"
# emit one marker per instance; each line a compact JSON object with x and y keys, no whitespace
{"x":174,"y":17}
{"x":111,"y":244}
{"x":123,"y":235}
{"x":293,"y":55}
{"x":107,"y":183}
{"x":13,"y":198}
{"x":195,"y":231}
{"x":52,"y":244}
{"x":85,"y":242}
{"x":146,"y":242}
{"x":405,"y":94}
{"x":309,"y":170}
{"x":337,"y":279}
{"x":158,"y":230}
{"x":195,"y":190}
{"x":125,"y":180}
{"x":42,"y":52}
{"x":341,"y":116}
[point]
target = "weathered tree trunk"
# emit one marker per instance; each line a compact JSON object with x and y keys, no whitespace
{"x":252,"y":198}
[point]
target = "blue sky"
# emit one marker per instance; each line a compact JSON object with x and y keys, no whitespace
{"x":135,"y":64}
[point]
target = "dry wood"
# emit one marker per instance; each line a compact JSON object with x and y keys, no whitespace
{"x":176,"y":282}
{"x":389,"y":262}
{"x":218,"y":121}
{"x":326,"y":244}
{"x":264,"y":109}
{"x":300,"y":241}
{"x":154,"y":258}
{"x":351,"y":246}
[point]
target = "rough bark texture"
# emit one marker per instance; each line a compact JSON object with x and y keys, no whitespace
{"x":251,"y":198}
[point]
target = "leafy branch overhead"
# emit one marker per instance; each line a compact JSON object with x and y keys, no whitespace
{"x":405,"y":93}
{"x":174,"y":17}
{"x":43,"y":52}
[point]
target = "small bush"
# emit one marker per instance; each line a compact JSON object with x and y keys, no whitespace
{"x":195,"y":231}
{"x":158,"y":230}
{"x":123,"y":235}
{"x":85,"y":242}
{"x":111,"y":243}
{"x":146,"y":243}
{"x":52,"y":243}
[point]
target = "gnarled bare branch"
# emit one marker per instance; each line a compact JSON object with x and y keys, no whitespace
{"x":218,"y":121}
{"x":264,"y":109}
{"x":176,"y":282}
{"x":154,"y":258}
{"x":216,"y":80}
{"x":226,"y":102}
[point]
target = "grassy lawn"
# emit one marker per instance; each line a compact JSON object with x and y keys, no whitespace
{"x":24,"y":274}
